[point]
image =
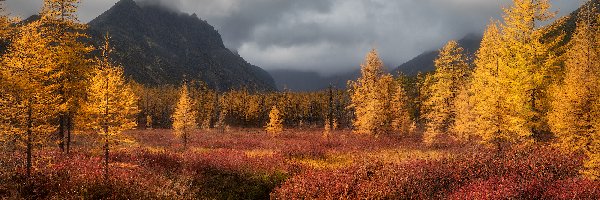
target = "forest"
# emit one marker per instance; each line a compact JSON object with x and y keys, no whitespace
{"x":519,"y":120}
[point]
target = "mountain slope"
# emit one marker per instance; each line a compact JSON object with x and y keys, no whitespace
{"x":563,"y":26}
{"x":158,"y":46}
{"x":425,"y":62}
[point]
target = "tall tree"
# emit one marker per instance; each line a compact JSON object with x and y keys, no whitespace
{"x":184,"y":118}
{"x":71,"y":56}
{"x":452,"y":70}
{"x":111,"y":106}
{"x":26,"y":71}
{"x":371,"y":95}
{"x":525,"y":69}
{"x":575,"y":111}
{"x":401,"y":120}
{"x":488,"y":94}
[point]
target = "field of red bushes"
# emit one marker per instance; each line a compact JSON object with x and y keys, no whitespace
{"x":299,"y":164}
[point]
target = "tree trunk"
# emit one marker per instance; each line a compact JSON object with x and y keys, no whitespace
{"x":184,"y":140}
{"x":330,"y":108}
{"x":106,"y":153}
{"x":69,"y":128}
{"x":61,"y":133}
{"x":29,"y":138}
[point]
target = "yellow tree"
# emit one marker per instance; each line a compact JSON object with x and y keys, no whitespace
{"x":451,"y":74}
{"x":488,"y":94}
{"x":275,"y":125}
{"x":111,"y":104}
{"x":184,"y":117}
{"x":27,"y":74}
{"x":370,"y":96}
{"x":65,"y":33}
{"x":464,"y":127}
{"x":525,"y":68}
{"x":401,"y":121}
{"x":575,"y":114}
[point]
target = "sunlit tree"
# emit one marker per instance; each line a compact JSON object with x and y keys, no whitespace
{"x":184,"y":118}
{"x":59,"y":25}
{"x":275,"y":125}
{"x":28,"y":105}
{"x":371,"y":97}
{"x":452,"y":70}
{"x":575,"y":111}
{"x":111,"y":104}
{"x":525,"y":69}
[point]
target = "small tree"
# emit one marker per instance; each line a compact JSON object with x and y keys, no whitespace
{"x":401,"y":121}
{"x":148,"y":121}
{"x":451,"y":73}
{"x":111,"y":106}
{"x":275,"y":125}
{"x":184,"y":118}
{"x":371,"y":95}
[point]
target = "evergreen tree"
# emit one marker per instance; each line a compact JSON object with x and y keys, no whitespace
{"x":184,"y":118}
{"x":525,"y":68}
{"x":451,"y":74}
{"x":275,"y":125}
{"x":28,"y":104}
{"x":488,"y":94}
{"x":370,"y":97}
{"x":575,"y":114}
{"x":111,"y":105}
{"x":464,"y":125}
{"x":401,"y":120}
{"x":65,"y":33}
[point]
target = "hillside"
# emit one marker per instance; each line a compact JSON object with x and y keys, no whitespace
{"x":158,"y":46}
{"x":424,"y":62}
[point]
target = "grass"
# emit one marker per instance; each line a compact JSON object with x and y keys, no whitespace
{"x":250,"y":164}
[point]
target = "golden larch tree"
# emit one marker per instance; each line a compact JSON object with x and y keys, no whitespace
{"x":111,"y":104}
{"x":488,"y":95}
{"x":184,"y":117}
{"x":275,"y":125}
{"x":371,"y":97}
{"x":464,"y":125}
{"x":452,"y":70}
{"x":575,"y":112}
{"x":525,"y":68}
{"x":60,"y":25}
{"x":401,"y":121}
{"x":26,"y":73}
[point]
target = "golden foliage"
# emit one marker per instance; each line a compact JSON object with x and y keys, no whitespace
{"x":450,"y":76}
{"x":111,"y":104}
{"x":575,"y":112}
{"x":184,"y":117}
{"x":29,"y":106}
{"x":371,"y":98}
{"x":275,"y":125}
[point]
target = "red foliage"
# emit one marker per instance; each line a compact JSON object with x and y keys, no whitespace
{"x":524,"y":173}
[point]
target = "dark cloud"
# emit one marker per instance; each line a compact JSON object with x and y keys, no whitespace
{"x":327,"y":35}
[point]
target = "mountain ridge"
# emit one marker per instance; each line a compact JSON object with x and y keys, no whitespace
{"x":158,"y":46}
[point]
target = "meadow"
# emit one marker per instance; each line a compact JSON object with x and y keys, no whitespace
{"x":297,"y":164}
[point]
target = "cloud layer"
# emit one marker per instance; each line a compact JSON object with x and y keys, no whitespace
{"x":327,"y":35}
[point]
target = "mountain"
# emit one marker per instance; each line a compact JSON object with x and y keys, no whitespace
{"x":563,"y":26}
{"x":159,"y":46}
{"x":425,"y":62}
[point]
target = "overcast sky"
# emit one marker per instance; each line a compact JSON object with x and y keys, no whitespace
{"x":327,"y":35}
